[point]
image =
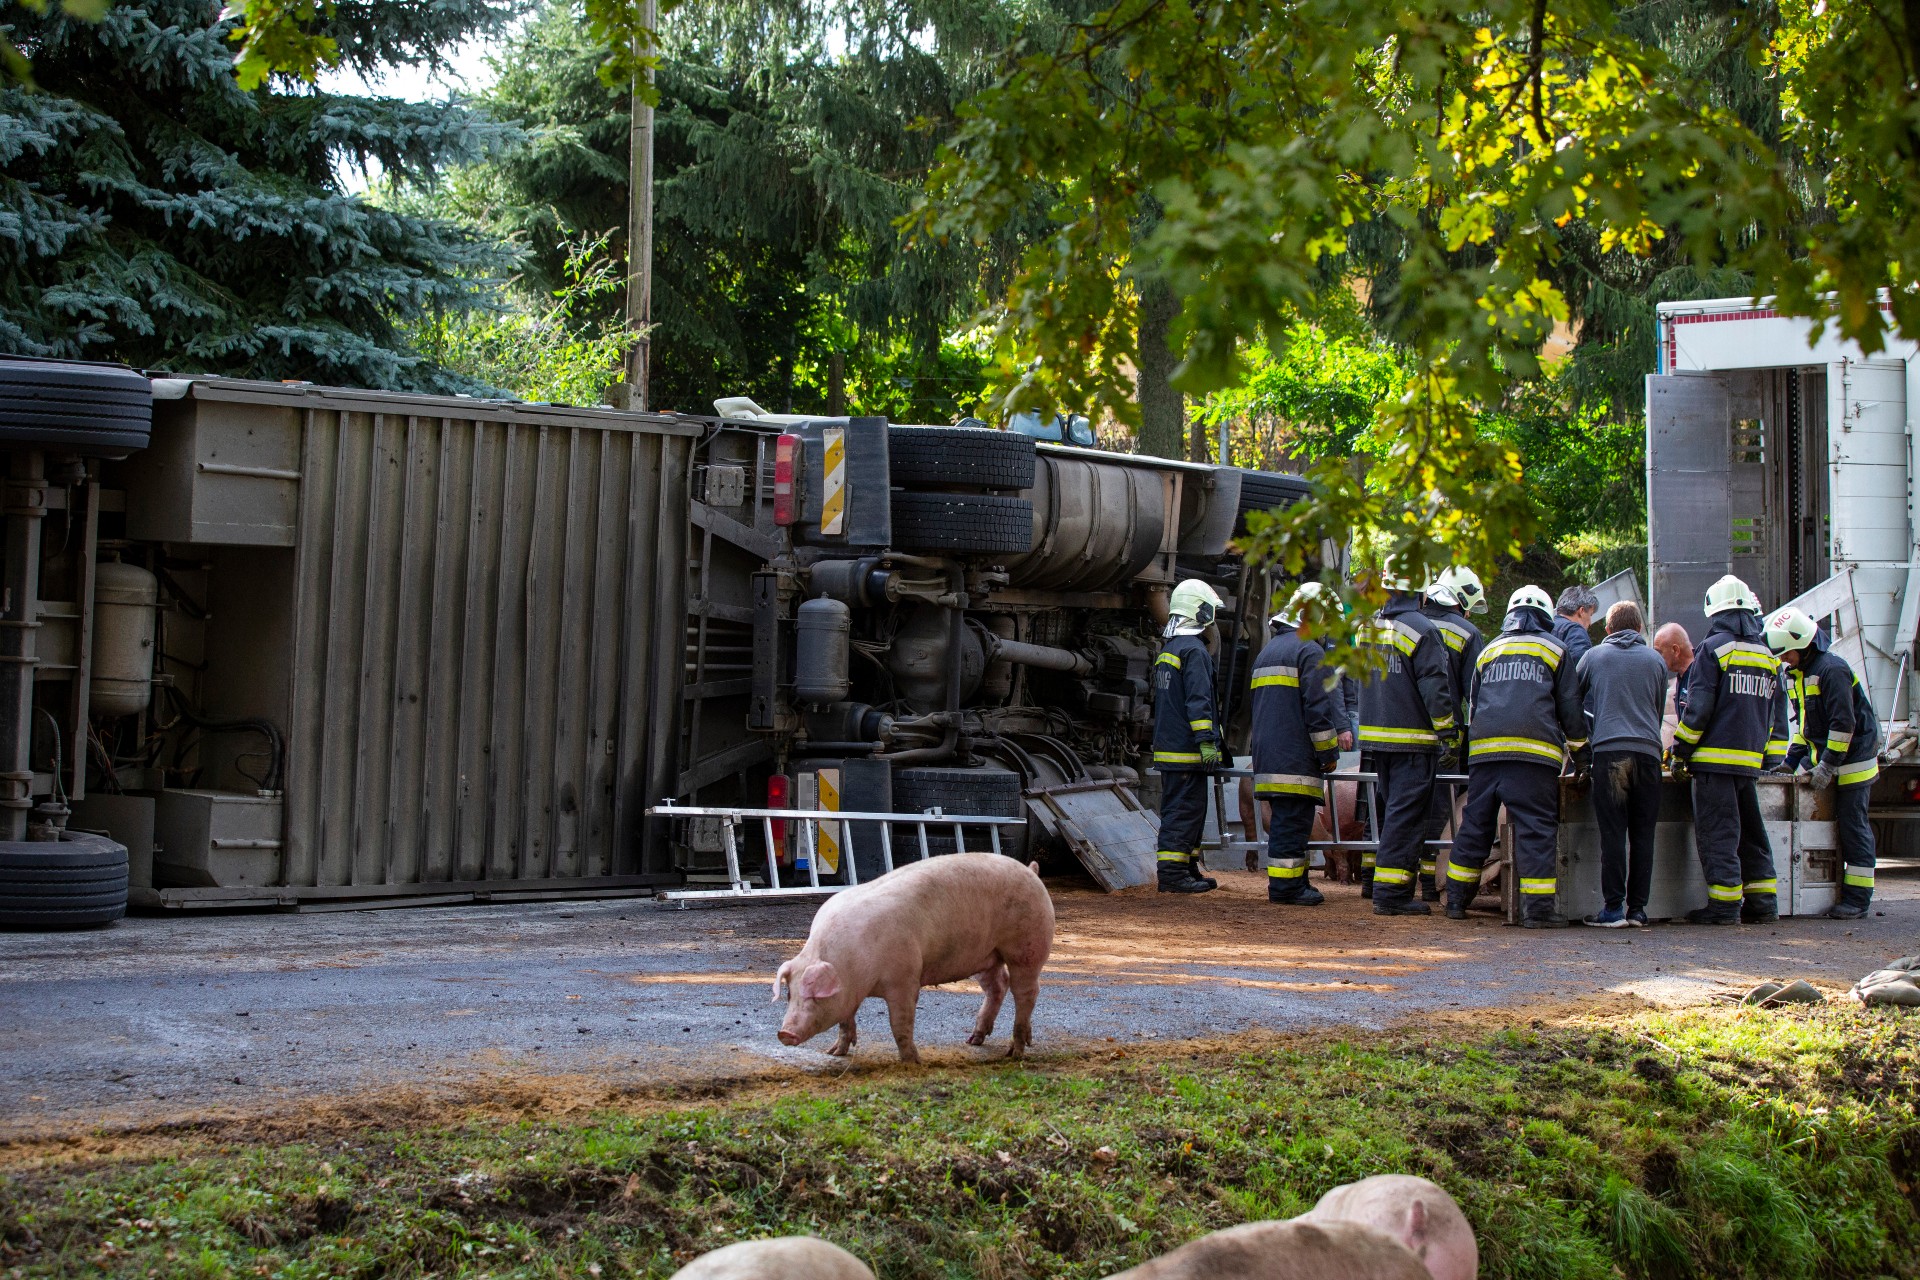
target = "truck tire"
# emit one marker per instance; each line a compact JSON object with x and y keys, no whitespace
{"x":1264,"y":490}
{"x":100,"y":410}
{"x":988,"y":792}
{"x":969,"y":523}
{"x":963,"y":457}
{"x":79,"y":882}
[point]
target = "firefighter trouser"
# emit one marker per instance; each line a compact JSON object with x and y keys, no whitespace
{"x":1289,"y":827}
{"x":1439,"y":815}
{"x":1856,"y":843}
{"x":1403,"y":797}
{"x":1531,"y":793}
{"x":1734,"y":853}
{"x":1183,"y":813}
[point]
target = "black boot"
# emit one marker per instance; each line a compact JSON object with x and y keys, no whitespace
{"x":1458,"y":896}
{"x":1853,"y":904}
{"x":1294,"y":893}
{"x":1197,"y":869}
{"x":1366,"y":882}
{"x":1385,"y":906}
{"x":1759,"y":908}
{"x":1178,"y":877}
{"x":1429,"y":888}
{"x":1545,"y":918}
{"x":1715,"y":913}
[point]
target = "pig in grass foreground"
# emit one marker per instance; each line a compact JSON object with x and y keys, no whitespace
{"x":960,"y":915}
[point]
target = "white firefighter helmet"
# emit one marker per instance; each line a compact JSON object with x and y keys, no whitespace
{"x":1469,"y":592}
{"x":1530,"y":597}
{"x":1789,"y":629}
{"x":1296,"y":605}
{"x":1731,"y":593}
{"x":1440,"y":591}
{"x":1196,"y":600}
{"x":1392,"y":579}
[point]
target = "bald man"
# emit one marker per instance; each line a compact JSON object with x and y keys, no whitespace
{"x":1675,"y":648}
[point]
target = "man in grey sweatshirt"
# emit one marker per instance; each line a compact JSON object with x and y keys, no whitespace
{"x":1623,"y":686}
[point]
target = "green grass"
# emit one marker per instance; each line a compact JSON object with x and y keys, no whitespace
{"x":1718,"y":1144}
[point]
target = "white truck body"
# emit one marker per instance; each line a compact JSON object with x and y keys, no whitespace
{"x":1791,"y":462}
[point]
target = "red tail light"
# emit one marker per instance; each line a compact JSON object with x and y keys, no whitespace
{"x":786,"y":452}
{"x":779,"y":796}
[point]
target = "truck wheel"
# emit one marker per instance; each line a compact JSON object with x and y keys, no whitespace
{"x":78,"y":882}
{"x":101,"y":410}
{"x":966,"y":457}
{"x":1263,"y":491}
{"x":988,"y":792}
{"x":965,"y":522}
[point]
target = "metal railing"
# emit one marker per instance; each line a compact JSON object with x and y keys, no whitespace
{"x":741,"y":888}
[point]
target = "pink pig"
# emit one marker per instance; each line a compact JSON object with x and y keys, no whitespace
{"x":961,"y":915}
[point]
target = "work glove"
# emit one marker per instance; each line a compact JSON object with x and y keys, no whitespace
{"x":1329,"y":764}
{"x":1582,"y":764}
{"x":1783,"y":770}
{"x":1677,"y":765}
{"x":1821,"y":776}
{"x":1209,"y":754}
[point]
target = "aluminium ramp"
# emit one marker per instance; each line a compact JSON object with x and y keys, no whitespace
{"x":1113,"y":835}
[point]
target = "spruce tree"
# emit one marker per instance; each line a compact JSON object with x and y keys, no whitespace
{"x":152,"y":211}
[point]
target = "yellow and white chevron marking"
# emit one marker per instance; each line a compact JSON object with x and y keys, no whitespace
{"x":833,"y":490}
{"x":828,"y":845}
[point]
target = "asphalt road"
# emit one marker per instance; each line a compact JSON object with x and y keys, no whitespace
{"x":162,"y":1019}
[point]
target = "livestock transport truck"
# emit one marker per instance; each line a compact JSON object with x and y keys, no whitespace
{"x":1793,"y":464}
{"x":298,"y":645}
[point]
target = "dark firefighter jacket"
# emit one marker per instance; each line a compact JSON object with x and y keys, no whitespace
{"x":1409,"y":706}
{"x":1464,"y":643}
{"x":1526,"y":696}
{"x":1834,"y":719}
{"x":1297,"y":718}
{"x":1736,"y":717}
{"x":1183,"y":711}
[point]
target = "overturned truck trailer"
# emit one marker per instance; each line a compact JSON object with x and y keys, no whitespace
{"x":317,"y":646}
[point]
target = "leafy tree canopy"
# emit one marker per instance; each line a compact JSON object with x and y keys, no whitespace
{"x":1486,"y":140}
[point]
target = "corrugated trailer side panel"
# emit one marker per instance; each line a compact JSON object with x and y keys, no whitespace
{"x":478,"y":610}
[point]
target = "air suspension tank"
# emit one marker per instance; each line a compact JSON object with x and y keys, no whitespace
{"x":822,"y":651}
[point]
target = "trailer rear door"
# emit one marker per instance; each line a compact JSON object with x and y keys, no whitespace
{"x":1689,"y":520}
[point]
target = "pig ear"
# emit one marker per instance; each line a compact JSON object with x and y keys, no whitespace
{"x":820,"y":981}
{"x":780,"y":979}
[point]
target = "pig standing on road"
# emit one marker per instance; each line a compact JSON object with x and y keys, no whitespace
{"x":961,"y":915}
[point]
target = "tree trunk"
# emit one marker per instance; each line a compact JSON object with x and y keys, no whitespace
{"x":1162,"y":409}
{"x":836,"y":385}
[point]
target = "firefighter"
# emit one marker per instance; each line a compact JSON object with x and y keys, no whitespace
{"x":1735,"y":725}
{"x":1186,"y":734}
{"x":1449,"y":599}
{"x":1297,"y":726}
{"x":1406,"y":720}
{"x":1837,"y":733}
{"x":1526,"y":713}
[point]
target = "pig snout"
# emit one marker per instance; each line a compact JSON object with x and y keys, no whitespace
{"x":787,"y":1037}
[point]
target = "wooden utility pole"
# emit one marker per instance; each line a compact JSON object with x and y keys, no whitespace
{"x":640,"y":223}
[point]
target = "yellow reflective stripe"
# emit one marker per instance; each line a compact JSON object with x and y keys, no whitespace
{"x":1176,"y":757}
{"x":1549,"y":654}
{"x":1197,"y":725}
{"x":1170,"y":659}
{"x":1263,"y":677}
{"x":1384,"y":733}
{"x":1526,"y":746}
{"x":1278,"y":872}
{"x":1269,"y":682}
{"x":1429,"y":865}
{"x":1811,"y":684}
{"x":1686,"y":733}
{"x":1466,"y":875}
{"x":1367,"y":859}
{"x":1327,"y":739}
{"x":1537,"y":885}
{"x":1443,"y":724}
{"x":1858,"y":877}
{"x":1777,"y":746}
{"x":1763,"y":886}
{"x":1837,"y":741}
{"x":1168,"y":855}
{"x":1727,"y":755}
{"x":1728,"y":658}
{"x":1290,"y":784}
{"x":1724,"y":892}
{"x":1854,"y":774}
{"x":1396,"y":635}
{"x":1391,"y":875}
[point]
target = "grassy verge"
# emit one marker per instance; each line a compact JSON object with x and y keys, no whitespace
{"x":1714,"y":1143}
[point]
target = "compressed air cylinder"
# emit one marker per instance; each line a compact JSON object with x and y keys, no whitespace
{"x":125,"y":598}
{"x":822,"y":651}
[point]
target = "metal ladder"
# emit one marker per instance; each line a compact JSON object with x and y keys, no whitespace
{"x":741,"y":889}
